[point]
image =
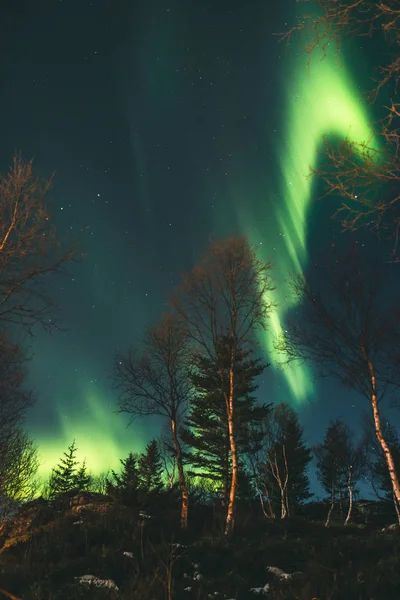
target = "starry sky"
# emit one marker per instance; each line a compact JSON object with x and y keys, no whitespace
{"x":166,"y":122}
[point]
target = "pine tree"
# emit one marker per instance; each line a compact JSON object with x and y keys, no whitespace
{"x":339,"y":466}
{"x":125,"y":485}
{"x":63,"y":476}
{"x":286,"y":460}
{"x":83,"y":479}
{"x":206,"y":428}
{"x":150,"y":468}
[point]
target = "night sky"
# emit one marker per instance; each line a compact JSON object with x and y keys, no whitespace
{"x":166,"y":122}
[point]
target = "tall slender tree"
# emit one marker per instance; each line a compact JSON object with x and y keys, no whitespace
{"x":155,"y":381}
{"x":226,"y":294}
{"x":349,"y":329}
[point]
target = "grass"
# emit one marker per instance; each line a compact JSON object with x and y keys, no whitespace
{"x":45,"y":549}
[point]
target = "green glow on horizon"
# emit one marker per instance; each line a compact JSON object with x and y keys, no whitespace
{"x":97,"y":437}
{"x":322,"y":100}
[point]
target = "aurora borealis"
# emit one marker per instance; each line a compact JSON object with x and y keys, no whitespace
{"x":323,"y":102}
{"x":166,"y":122}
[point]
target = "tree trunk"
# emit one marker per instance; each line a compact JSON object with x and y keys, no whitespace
{"x":11,"y":596}
{"x":225,"y":484}
{"x":230,"y":515}
{"x":285,"y":486}
{"x":261,"y":499}
{"x":396,"y":505}
{"x":271,"y":511}
{"x":350,"y":488}
{"x":182,"y":479}
{"x":328,"y":518}
{"x":379,"y":435}
{"x":283,"y":504}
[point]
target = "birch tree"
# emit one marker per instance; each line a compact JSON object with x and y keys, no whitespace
{"x":339,"y":465}
{"x":226,"y":295}
{"x":348,"y":329}
{"x":285,"y":461}
{"x":154,"y":380}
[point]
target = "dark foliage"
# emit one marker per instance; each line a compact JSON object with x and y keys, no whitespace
{"x":206,"y":428}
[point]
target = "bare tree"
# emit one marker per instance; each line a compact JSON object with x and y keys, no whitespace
{"x":226,"y":295}
{"x":255,"y":462}
{"x":29,"y":249}
{"x":99,"y":482}
{"x":15,"y":400}
{"x":364,"y":174}
{"x":348,"y":329}
{"x":339,"y":465}
{"x":18,"y":469}
{"x":154,"y":381}
{"x":18,"y":455}
{"x":279,"y":458}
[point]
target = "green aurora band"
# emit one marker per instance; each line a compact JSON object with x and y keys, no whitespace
{"x":322,"y":100}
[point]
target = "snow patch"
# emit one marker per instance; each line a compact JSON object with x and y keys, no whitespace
{"x":261,"y":590}
{"x":391,"y":527}
{"x":97,"y":582}
{"x":280,"y":574}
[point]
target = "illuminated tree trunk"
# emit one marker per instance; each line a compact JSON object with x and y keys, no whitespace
{"x":230,"y":515}
{"x":182,"y":478}
{"x":282,"y":483}
{"x":225,"y":485}
{"x":350,"y":488}
{"x":379,"y":435}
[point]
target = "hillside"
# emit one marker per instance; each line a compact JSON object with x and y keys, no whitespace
{"x":91,"y":547}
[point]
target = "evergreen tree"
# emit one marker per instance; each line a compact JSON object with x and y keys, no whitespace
{"x":63,"y":476}
{"x":83,"y":479}
{"x":126,"y":483}
{"x":287,"y":457}
{"x":206,"y":428}
{"x":150,"y":468}
{"x":339,"y":465}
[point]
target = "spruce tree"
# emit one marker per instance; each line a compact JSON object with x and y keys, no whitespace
{"x":63,"y":476}
{"x":206,"y":428}
{"x":126,"y":483}
{"x":150,"y":468}
{"x":83,"y":479}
